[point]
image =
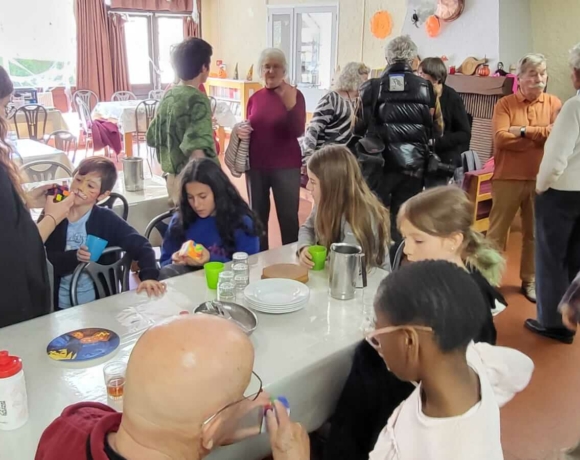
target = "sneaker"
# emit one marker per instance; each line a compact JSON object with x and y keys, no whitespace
{"x":529,"y":291}
{"x":560,"y":334}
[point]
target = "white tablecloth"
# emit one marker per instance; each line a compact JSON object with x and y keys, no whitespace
{"x":122,"y":113}
{"x":305,"y":356}
{"x":54,"y":122}
{"x":143,"y":205}
{"x":28,"y":151}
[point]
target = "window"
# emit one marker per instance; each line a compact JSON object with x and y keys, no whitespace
{"x":149,"y":39}
{"x":308,"y":37}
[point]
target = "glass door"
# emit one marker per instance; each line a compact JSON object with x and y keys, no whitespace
{"x":280,"y":35}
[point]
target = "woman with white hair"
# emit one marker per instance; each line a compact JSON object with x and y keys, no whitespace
{"x":558,"y":216}
{"x":277,"y":118}
{"x":335,"y":115}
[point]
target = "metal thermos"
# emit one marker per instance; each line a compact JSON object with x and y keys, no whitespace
{"x":133,"y":174}
{"x":347,"y":270}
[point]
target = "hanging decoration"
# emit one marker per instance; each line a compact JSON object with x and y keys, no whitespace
{"x":433,"y":26}
{"x":195,"y":12}
{"x":381,"y":24}
{"x":449,"y":10}
{"x":422,"y":9}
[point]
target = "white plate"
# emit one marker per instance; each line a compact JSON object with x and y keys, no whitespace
{"x":277,"y":292}
{"x":262,"y":307}
{"x":278,"y":312}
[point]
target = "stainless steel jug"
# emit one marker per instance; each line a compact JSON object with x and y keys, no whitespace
{"x":347,"y":270}
{"x":133,"y":174}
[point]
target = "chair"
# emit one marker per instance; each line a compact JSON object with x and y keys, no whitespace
{"x":110,"y":203}
{"x":10,"y":110}
{"x":160,"y":224}
{"x":86,"y":121}
{"x":399,"y":256}
{"x":33,"y":113}
{"x":123,"y":96}
{"x":156,"y":94}
{"x":65,"y":141}
{"x":44,"y":170}
{"x":110,"y":279}
{"x":87,"y":96}
{"x":149,"y":107}
{"x":213,"y":104}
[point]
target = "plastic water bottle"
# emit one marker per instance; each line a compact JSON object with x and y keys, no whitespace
{"x":13,"y":398}
{"x":226,"y":289}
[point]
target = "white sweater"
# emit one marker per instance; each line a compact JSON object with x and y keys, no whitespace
{"x":560,"y":168}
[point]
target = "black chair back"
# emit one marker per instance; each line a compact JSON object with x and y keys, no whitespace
{"x":159,"y":225}
{"x":399,"y":256}
{"x":35,"y":116}
{"x":110,"y":203}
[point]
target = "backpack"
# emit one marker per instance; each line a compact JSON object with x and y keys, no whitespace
{"x":469,"y":162}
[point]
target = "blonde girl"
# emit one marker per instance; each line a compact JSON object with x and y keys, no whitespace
{"x":345,"y":210}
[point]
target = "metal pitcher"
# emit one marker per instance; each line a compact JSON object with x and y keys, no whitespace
{"x":133,"y":174}
{"x":347,"y":270}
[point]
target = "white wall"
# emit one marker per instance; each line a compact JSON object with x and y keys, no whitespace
{"x":515,"y":31}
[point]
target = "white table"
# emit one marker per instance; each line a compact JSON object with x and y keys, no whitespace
{"x":143,"y":206}
{"x":123,"y":114}
{"x":305,"y":356}
{"x":28,"y":151}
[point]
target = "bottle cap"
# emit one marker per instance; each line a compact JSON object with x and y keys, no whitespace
{"x":9,"y":365}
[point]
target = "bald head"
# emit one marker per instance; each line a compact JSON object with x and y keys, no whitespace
{"x":180,"y":373}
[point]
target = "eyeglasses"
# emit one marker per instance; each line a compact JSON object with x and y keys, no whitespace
{"x":250,"y":398}
{"x":371,"y":336}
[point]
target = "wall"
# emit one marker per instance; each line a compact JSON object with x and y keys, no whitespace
{"x":515,"y":31}
{"x":555,"y":33}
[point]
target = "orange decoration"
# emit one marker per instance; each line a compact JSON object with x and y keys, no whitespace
{"x":433,"y":26}
{"x":381,"y":24}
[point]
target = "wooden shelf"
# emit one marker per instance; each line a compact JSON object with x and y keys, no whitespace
{"x":244,"y":90}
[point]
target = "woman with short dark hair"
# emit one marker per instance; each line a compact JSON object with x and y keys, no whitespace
{"x":457,"y":133}
{"x":183,"y":127}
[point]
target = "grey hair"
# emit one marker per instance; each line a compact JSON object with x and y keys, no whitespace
{"x":530,"y":61}
{"x":349,"y":78}
{"x":275,"y":54}
{"x":575,"y":57}
{"x":401,"y":49}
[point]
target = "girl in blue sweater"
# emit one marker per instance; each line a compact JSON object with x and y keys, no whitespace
{"x":211,"y":213}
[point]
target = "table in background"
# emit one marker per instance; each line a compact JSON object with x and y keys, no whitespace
{"x":143,"y":205}
{"x":54,"y":122}
{"x":305,"y":356}
{"x":123,"y":114}
{"x":28,"y":151}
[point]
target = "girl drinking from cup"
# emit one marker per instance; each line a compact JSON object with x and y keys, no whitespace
{"x":345,"y":209}
{"x":212,"y":214}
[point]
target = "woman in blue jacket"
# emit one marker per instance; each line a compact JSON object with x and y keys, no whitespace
{"x":210,"y":213}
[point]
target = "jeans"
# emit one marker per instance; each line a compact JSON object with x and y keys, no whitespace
{"x":285,"y":186}
{"x":557,"y":251}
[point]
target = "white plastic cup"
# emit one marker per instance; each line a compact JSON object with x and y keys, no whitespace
{"x":13,"y":398}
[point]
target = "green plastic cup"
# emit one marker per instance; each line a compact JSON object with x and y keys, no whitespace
{"x":318,"y":254}
{"x":212,"y":273}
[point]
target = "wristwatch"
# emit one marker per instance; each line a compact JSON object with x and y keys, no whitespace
{"x":523,"y":131}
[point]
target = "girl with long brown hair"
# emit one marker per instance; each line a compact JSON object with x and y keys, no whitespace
{"x":345,"y":209}
{"x":24,"y":279}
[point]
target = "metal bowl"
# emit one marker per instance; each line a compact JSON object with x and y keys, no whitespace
{"x":241,"y":316}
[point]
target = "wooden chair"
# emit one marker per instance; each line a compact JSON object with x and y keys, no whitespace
{"x":149,"y":108}
{"x":44,"y":170}
{"x":156,"y":94}
{"x":123,"y":96}
{"x":87,"y":96}
{"x":65,"y":141}
{"x":109,"y":279}
{"x":35,"y":116}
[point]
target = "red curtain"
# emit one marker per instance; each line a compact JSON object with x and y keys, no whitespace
{"x":118,"y":47}
{"x":94,"y":69}
{"x":179,"y":6}
{"x":190,"y":28}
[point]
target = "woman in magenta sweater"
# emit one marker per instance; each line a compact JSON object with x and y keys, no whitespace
{"x":277,"y":118}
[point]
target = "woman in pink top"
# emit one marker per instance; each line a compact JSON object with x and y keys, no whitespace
{"x":277,"y":118}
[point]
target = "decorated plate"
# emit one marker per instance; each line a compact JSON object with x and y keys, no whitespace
{"x":449,"y":10}
{"x":83,"y":345}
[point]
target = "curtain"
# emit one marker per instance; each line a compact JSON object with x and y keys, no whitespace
{"x":120,"y":67}
{"x":190,"y":28}
{"x":94,"y":70}
{"x":180,"y":6}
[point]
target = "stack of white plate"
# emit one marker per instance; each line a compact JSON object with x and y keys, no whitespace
{"x":276,"y":296}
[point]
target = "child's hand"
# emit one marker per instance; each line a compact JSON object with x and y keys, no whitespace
{"x":199,"y":261}
{"x":306,"y":257}
{"x":152,"y":288}
{"x":178,"y":259}
{"x":83,"y":255}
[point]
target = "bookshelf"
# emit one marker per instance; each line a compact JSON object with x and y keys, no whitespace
{"x":234,"y":92}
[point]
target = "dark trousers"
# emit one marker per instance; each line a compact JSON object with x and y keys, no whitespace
{"x":393,"y":192}
{"x":557,"y":251}
{"x":285,"y":186}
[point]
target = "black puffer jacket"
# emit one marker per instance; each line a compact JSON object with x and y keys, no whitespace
{"x":402,"y":116}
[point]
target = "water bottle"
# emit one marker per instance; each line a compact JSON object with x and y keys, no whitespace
{"x":241,"y":270}
{"x":13,"y":399}
{"x":226,"y":289}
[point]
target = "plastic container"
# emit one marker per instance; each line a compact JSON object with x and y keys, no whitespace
{"x":318,"y":254}
{"x":13,"y":398}
{"x":96,"y":246}
{"x":212,"y":271}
